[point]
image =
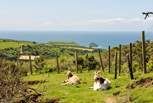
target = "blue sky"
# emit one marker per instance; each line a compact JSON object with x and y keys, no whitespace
{"x":75,"y":15}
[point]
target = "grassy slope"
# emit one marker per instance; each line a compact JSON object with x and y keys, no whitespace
{"x":68,"y":94}
{"x":82,"y":93}
{"x":12,"y":44}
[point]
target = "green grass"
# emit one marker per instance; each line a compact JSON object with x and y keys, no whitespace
{"x":83,"y":94}
{"x":13,"y":44}
{"x":75,"y":94}
{"x":68,"y":94}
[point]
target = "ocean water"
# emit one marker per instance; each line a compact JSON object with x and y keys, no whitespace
{"x":103,"y":39}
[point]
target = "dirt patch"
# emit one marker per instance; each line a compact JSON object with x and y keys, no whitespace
{"x":36,"y":98}
{"x":145,"y":82}
{"x":53,"y":100}
{"x":33,"y":96}
{"x":117,"y":99}
{"x":35,"y":82}
{"x":112,"y":99}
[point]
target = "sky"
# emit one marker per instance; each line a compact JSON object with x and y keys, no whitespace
{"x":75,"y":15}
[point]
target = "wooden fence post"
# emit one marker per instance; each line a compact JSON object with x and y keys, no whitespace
{"x":116,"y":56}
{"x":144,"y":52}
{"x":101,"y":61}
{"x":131,"y":55}
{"x":30,"y":64}
{"x":109,"y":61}
{"x":57,"y":62}
{"x":130,"y":67}
{"x":76,"y":60}
{"x":120,"y":56}
{"x":130,"y":61}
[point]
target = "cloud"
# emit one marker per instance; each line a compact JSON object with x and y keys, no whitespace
{"x":110,"y":21}
{"x":116,"y":24}
{"x":115,"y":21}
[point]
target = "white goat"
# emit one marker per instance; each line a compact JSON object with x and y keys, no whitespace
{"x":100,"y":83}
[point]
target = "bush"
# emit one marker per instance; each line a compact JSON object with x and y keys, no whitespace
{"x":92,"y":63}
{"x":10,"y":82}
{"x":150,"y":65}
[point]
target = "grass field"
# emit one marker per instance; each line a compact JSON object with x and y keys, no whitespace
{"x":12,"y":44}
{"x":80,"y":48}
{"x":83,"y":94}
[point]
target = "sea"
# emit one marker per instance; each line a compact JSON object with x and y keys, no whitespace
{"x":84,"y":38}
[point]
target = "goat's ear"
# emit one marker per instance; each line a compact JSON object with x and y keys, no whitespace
{"x":95,"y":72}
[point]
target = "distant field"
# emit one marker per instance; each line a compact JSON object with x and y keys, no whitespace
{"x":12,"y":44}
{"x":69,"y":45}
{"x":79,"y":48}
{"x":83,"y":94}
{"x":63,"y":43}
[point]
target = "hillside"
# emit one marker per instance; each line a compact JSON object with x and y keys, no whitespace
{"x":8,"y":43}
{"x":118,"y":93}
{"x":59,"y":58}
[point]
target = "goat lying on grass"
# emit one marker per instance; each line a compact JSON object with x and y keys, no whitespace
{"x":72,"y":79}
{"x":100,"y":82}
